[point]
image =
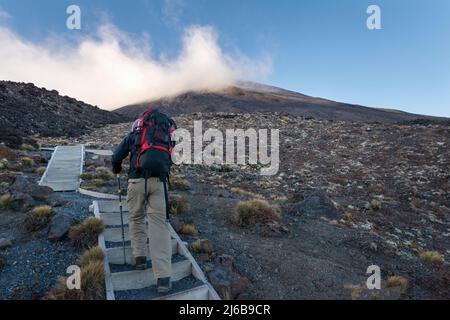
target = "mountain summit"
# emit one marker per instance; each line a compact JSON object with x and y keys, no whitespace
{"x":248,"y":97}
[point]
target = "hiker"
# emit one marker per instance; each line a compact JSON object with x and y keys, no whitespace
{"x":149,"y":145}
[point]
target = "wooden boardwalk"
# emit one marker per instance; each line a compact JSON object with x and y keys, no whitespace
{"x":123,"y":282}
{"x":64,"y":168}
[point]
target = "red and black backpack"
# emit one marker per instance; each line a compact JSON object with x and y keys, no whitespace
{"x":154,"y":144}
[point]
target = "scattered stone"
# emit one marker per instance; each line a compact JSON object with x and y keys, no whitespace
{"x":5,"y":243}
{"x":60,"y":225}
{"x":318,"y":204}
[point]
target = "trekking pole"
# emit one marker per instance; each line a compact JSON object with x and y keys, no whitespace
{"x":121,"y":220}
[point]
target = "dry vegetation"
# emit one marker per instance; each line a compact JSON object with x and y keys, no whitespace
{"x":255,"y":211}
{"x":38,"y":218}
{"x":432,"y":257}
{"x":85,"y":234}
{"x":178,"y":205}
{"x":189,"y":229}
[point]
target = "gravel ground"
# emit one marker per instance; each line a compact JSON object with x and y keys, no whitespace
{"x":151,"y":293}
{"x":34,"y":264}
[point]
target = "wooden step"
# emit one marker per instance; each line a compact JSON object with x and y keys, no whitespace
{"x":197,"y":293}
{"x":115,"y":255}
{"x":111,"y":206}
{"x":134,"y":280}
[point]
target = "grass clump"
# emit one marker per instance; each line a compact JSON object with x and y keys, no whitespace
{"x":432,"y":257}
{"x":189,"y":229}
{"x":103,"y":173}
{"x":27,"y":147}
{"x":178,"y":205}
{"x":255,"y":211}
{"x":86,"y":176}
{"x":5,"y":201}
{"x":38,"y":218}
{"x":397,"y":282}
{"x":85,"y":234}
{"x":97,"y":182}
{"x":40,"y":170}
{"x":179,"y":183}
{"x":92,"y":285}
{"x":27,"y":162}
{"x":375,"y":204}
{"x":202,"y":246}
{"x":94,"y":254}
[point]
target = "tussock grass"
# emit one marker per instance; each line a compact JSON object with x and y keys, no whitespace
{"x":202,"y":246}
{"x":94,"y":254}
{"x":179,"y":183}
{"x":189,"y":229}
{"x":85,"y":234}
{"x":375,"y":204}
{"x":98,"y":182}
{"x":103,"y":173}
{"x":86,"y":176}
{"x":92,"y":285}
{"x":255,"y":211}
{"x":397,"y":282}
{"x":27,"y":147}
{"x":178,"y":205}
{"x":38,"y":218}
{"x":40,"y":170}
{"x":27,"y":162}
{"x":432,"y":257}
{"x":243,"y":192}
{"x":5,"y":201}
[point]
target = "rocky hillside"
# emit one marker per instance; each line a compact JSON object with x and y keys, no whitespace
{"x":251,"y":97}
{"x":349,"y":195}
{"x":32,"y":110}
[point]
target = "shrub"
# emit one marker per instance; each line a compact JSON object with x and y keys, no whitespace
{"x":255,"y":211}
{"x":40,"y":170}
{"x":243,"y":192}
{"x":432,"y":257}
{"x":375,"y":204}
{"x":92,"y":285}
{"x":93,"y":281}
{"x":202,"y":246}
{"x":179,"y":183}
{"x":189,"y":229}
{"x":103,"y":173}
{"x":397,"y":281}
{"x":27,"y":147}
{"x":178,"y":204}
{"x":38,"y":218}
{"x":27,"y":162}
{"x":98,"y":182}
{"x":95,"y":254}
{"x":5,"y":200}
{"x":85,"y":234}
{"x":86,"y":176}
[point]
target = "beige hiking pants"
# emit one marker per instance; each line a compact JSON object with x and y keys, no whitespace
{"x":158,"y":232}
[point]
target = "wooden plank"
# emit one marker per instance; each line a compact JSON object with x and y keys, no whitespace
{"x":197,"y":293}
{"x":134,"y":280}
{"x":115,"y":234}
{"x":102,"y":245}
{"x":112,"y":206}
{"x":100,"y":152}
{"x":115,"y":255}
{"x":64,"y":168}
{"x":113,"y":218}
{"x":196,"y":270}
{"x":98,"y":195}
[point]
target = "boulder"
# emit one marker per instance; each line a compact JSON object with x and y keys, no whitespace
{"x":40,"y":193}
{"x":7,"y":153}
{"x":318,"y":204}
{"x":227,"y":283}
{"x":37,"y":192}
{"x":5,"y":243}
{"x":59,"y":226}
{"x":22,"y":201}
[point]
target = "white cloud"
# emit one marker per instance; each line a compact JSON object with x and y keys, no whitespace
{"x":114,"y":69}
{"x":4,"y":14}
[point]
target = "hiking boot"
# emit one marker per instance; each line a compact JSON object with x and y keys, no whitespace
{"x":141,"y":263}
{"x":164,"y":285}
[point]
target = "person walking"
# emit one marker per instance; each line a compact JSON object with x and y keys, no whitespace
{"x":149,"y":146}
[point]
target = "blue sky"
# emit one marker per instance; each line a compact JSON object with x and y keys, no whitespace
{"x":320,"y":48}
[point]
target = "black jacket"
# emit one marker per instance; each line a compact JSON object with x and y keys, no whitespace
{"x":125,"y":148}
